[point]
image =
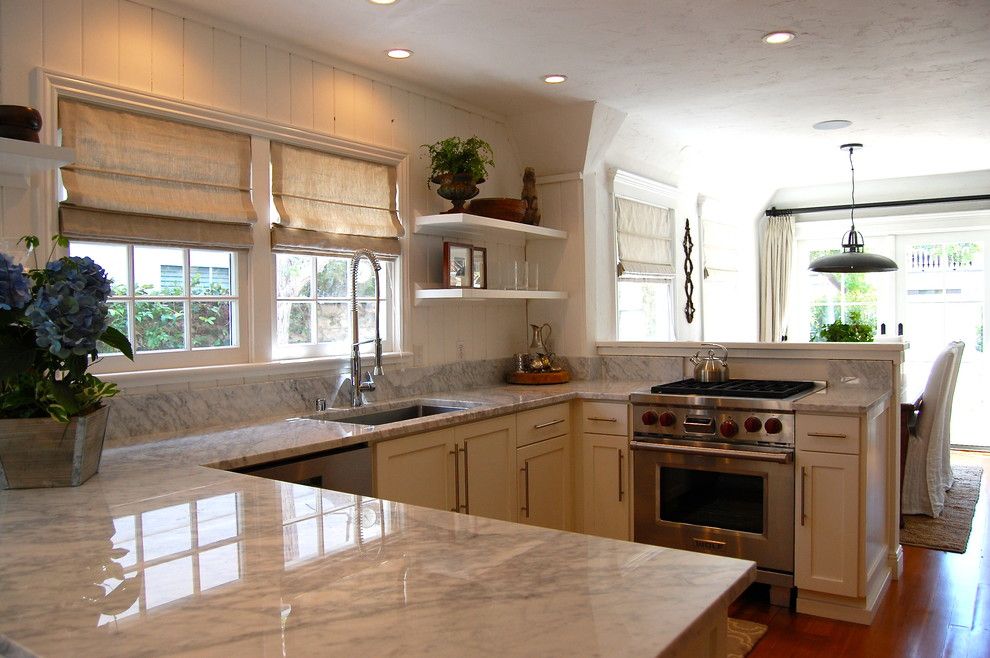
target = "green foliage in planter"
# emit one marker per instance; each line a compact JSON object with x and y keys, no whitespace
{"x":460,"y":156}
{"x":854,"y":331}
{"x":51,"y":319}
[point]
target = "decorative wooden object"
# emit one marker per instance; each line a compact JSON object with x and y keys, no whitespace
{"x":532,"y":214}
{"x":688,"y":270}
{"x":510,"y":210}
{"x":558,"y":377}
{"x":41,"y":452}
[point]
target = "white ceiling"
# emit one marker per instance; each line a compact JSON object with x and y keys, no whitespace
{"x":705,"y":97}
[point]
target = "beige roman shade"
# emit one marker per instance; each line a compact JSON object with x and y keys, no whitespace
{"x":140,"y":178}
{"x":644,"y":235}
{"x":329,"y":202}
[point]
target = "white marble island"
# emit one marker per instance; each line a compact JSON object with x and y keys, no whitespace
{"x":216,"y":563}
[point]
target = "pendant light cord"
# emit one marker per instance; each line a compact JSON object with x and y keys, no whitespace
{"x":852,"y":208}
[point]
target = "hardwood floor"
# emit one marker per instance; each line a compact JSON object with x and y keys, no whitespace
{"x":939,"y":607}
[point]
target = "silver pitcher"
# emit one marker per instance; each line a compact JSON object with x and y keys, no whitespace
{"x":711,"y":368}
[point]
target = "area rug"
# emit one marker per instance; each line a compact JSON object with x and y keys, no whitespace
{"x":743,"y":636}
{"x":950,"y":531}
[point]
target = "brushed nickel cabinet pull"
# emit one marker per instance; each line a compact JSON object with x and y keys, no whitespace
{"x":467,"y":504}
{"x":621,"y":492}
{"x":602,"y":419}
{"x":826,"y":435}
{"x":552,"y":422}
{"x":457,"y":480}
{"x":804,"y":485}
{"x":525,"y":471}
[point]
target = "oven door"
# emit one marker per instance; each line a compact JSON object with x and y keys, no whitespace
{"x":716,"y":498}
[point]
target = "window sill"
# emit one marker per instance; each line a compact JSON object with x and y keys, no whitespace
{"x":147,"y":381}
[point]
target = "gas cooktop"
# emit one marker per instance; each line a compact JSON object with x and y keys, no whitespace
{"x":735,"y":388}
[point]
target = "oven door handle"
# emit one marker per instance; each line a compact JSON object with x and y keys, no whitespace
{"x":752,"y":455}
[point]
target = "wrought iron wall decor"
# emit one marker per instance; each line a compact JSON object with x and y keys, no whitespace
{"x":688,"y":270}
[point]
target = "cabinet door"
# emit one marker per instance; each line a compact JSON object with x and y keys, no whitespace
{"x":544,"y":483}
{"x":488,"y":465}
{"x":605,"y":485}
{"x":417,"y":469}
{"x":826,"y":538}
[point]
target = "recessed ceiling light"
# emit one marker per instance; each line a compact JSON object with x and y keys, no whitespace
{"x":777,"y":38}
{"x":399,"y":53}
{"x":382,"y":2}
{"x":554,"y":78}
{"x":832,"y":124}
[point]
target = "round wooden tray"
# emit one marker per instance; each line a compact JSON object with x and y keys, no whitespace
{"x":558,"y":377}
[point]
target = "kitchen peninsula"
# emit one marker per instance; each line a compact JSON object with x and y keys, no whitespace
{"x":158,"y":554}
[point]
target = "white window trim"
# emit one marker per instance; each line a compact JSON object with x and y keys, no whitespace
{"x":257,"y":292}
{"x":642,"y":190}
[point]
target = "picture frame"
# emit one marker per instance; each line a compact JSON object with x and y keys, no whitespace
{"x":479,"y":267}
{"x":457,"y":266}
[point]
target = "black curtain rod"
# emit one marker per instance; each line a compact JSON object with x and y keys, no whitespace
{"x":778,"y":212}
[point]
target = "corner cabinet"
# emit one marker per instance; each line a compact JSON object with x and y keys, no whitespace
{"x":841,"y":534}
{"x":472,"y":228}
{"x":469,"y":469}
{"x":604,"y":468}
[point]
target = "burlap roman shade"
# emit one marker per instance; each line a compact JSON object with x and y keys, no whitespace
{"x":644,"y":234}
{"x":140,"y":178}
{"x":329,"y":202}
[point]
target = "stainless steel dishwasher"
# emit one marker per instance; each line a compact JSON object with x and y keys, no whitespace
{"x":346,"y":469}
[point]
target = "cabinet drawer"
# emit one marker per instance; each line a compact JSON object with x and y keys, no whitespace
{"x":543,"y":423}
{"x":605,"y":418}
{"x":827,"y":433}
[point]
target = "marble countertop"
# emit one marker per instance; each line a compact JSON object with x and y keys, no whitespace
{"x":841,"y":399}
{"x":150,"y":556}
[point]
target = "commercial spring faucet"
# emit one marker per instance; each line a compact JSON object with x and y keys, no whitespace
{"x":361,"y":384}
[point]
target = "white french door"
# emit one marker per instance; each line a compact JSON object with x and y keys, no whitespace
{"x":943,"y":294}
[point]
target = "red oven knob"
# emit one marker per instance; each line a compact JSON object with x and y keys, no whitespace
{"x":667,"y":419}
{"x":753,"y":424}
{"x":650,"y":418}
{"x":773,"y":426}
{"x":728,"y":428}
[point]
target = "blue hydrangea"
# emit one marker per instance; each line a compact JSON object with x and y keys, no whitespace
{"x":15,"y":287}
{"x":69,"y":312}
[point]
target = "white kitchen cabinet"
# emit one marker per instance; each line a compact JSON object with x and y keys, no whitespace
{"x":544,"y":481}
{"x":603,"y":472}
{"x":487,"y":466}
{"x":842,"y":529}
{"x":826,"y":538}
{"x":469,"y":468}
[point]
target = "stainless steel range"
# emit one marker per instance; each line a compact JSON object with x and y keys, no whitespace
{"x":713,"y":467}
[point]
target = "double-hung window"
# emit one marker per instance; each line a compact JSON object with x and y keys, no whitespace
{"x":165,"y":207}
{"x":329,"y":206}
{"x":644,"y":291}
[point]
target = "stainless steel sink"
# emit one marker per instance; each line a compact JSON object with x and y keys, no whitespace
{"x":393,"y":415}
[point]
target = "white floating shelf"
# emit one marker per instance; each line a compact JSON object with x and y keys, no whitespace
{"x":474,"y":226}
{"x":436,"y":294}
{"x":20,"y":159}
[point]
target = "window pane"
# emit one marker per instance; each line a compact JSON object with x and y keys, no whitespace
{"x":294,"y":275}
{"x":366,"y":321}
{"x":366,"y":278}
{"x":211,"y":324}
{"x":333,"y":323}
{"x":644,"y":310}
{"x":158,"y":271}
{"x":118,"y":320}
{"x":293,"y":322}
{"x":211,"y":272}
{"x":331,"y":277}
{"x":159,"y":326}
{"x":111,"y":257}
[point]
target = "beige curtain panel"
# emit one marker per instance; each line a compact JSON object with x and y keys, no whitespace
{"x":337,"y":196}
{"x":644,"y":234}
{"x":775,"y":275}
{"x":152,"y":169}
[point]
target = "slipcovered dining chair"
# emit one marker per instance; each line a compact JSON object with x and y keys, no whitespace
{"x":927,"y":472}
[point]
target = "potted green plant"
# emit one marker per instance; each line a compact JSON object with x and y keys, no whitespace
{"x":854,"y":331}
{"x":458,"y":166}
{"x":52,"y":416}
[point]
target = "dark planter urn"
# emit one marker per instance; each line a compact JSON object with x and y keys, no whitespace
{"x":456,"y":188}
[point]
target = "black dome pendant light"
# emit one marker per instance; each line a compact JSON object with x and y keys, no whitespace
{"x":852,"y":258}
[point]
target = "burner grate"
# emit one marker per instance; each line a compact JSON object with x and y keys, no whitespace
{"x":736,"y":388}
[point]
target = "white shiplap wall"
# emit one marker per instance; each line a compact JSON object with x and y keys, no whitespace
{"x":147,"y":49}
